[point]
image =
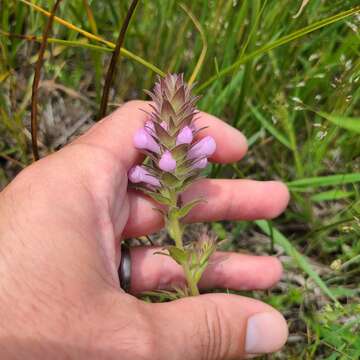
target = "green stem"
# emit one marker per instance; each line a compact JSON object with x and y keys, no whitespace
{"x":176,"y":232}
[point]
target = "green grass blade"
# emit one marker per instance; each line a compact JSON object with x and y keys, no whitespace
{"x":282,"y":41}
{"x":332,"y":195}
{"x":123,"y":51}
{"x":301,"y":260}
{"x":270,"y":128}
{"x":201,"y":59}
{"x":83,"y":43}
{"x":345,"y":122}
{"x":330,"y":180}
{"x":255,"y":137}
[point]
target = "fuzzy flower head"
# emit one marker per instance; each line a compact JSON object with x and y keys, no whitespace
{"x":176,"y":153}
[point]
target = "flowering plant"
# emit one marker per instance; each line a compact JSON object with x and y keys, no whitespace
{"x":175,"y":158}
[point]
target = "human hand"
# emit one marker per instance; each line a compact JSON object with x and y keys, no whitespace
{"x":62,"y":222}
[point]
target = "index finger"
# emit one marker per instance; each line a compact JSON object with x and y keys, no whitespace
{"x":115,"y":134}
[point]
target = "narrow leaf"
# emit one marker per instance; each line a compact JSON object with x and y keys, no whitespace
{"x":332,"y":195}
{"x":339,"y":179}
{"x":91,"y":36}
{"x":279,"y":42}
{"x":302,"y":7}
{"x":179,"y":255}
{"x":204,"y":42}
{"x":182,"y":212}
{"x":345,"y":122}
{"x":301,"y":260}
{"x":157,"y":197}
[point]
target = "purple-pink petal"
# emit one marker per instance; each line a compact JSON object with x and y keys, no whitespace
{"x":204,"y":148}
{"x":185,"y":136}
{"x":138,"y":174}
{"x":167,"y":162}
{"x":143,"y":140}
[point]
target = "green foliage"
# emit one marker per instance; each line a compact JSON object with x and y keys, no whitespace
{"x":301,"y":260}
{"x":348,"y":123}
{"x":290,"y":84}
{"x":185,"y":209}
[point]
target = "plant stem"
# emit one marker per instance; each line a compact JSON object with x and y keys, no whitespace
{"x":175,"y":230}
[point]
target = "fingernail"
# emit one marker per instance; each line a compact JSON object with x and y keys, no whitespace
{"x":265,"y":333}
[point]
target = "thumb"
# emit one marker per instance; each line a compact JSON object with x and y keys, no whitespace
{"x":218,"y":326}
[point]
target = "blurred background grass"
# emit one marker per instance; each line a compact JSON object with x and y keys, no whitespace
{"x":295,"y":97}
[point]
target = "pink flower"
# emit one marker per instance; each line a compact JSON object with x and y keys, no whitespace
{"x":143,"y":140}
{"x":185,"y":136}
{"x":204,"y":148}
{"x":139,"y":174}
{"x":167,"y":162}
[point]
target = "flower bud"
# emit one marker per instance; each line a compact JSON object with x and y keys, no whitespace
{"x":143,"y":140}
{"x":185,"y":136}
{"x":167,"y":162}
{"x":204,"y":148}
{"x":138,"y":174}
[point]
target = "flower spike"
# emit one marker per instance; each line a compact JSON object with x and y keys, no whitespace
{"x":174,"y":161}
